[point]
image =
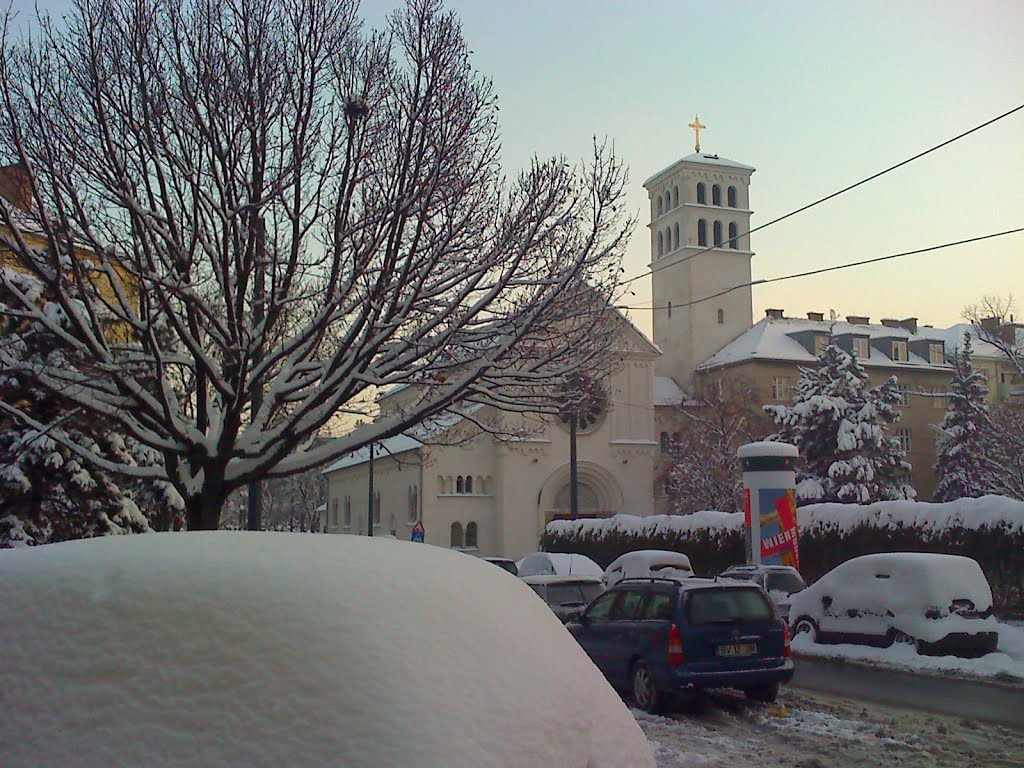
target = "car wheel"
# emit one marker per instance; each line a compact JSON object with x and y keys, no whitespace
{"x":765,"y":693}
{"x":806,"y":626}
{"x":903,"y":639}
{"x":645,"y":694}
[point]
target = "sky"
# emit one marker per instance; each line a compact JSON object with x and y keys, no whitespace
{"x":814,"y":95}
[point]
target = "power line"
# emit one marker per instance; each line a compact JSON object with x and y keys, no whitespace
{"x":841,"y":191}
{"x":765,"y":281}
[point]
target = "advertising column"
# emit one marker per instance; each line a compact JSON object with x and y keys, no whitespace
{"x":769,"y":482}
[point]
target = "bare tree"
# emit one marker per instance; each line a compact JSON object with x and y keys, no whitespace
{"x":254,"y":213}
{"x":1006,"y":450}
{"x":703,"y":470}
{"x":992,"y":318}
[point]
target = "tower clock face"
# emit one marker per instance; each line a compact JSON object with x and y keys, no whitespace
{"x":583,"y":397}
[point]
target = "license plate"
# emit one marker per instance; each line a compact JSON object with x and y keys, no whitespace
{"x":738,"y":649}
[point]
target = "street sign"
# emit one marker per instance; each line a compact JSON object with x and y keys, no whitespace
{"x":418,"y":533}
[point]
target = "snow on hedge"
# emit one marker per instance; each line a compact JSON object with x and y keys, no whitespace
{"x":970,"y":514}
{"x":260,"y":649}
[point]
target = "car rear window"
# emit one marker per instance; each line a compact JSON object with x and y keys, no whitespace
{"x":726,"y":606}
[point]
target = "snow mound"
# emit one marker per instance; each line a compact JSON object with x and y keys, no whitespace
{"x":268,"y":649}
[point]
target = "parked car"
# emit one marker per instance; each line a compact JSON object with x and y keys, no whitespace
{"x":935,"y":603}
{"x":661,"y":638}
{"x":566,"y":594}
{"x":558,"y":564}
{"x":644,"y":563}
{"x":781,"y":582}
{"x":504,"y":563}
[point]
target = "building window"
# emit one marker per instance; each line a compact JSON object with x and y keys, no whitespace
{"x":457,"y":535}
{"x":334,"y":513}
{"x":860,"y":347}
{"x":469,"y":483}
{"x":721,"y":317}
{"x":702,"y":232}
{"x":376,"y":509}
{"x":732,"y":197}
{"x":661,"y":244}
{"x":716,"y":195}
{"x":904,"y":437}
{"x":702,"y":194}
{"x":936,"y":354}
{"x":675,"y":235}
{"x":780,"y":387}
{"x":668,"y":239}
{"x":661,"y":208}
{"x":904,"y":391}
{"x":899,"y":351}
{"x":718,"y":233}
{"x":734,"y":235}
{"x":939,"y":399}
{"x":459,"y":487}
{"x":471,"y":536}
{"x":820,"y":342}
{"x":348,"y":511}
{"x":670,"y":309}
{"x":675,"y":197}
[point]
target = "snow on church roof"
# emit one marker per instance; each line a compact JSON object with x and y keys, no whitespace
{"x":667,"y":392}
{"x":771,"y":339}
{"x":702,"y":158}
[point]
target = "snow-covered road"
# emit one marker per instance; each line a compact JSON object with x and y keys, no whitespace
{"x":820,"y":731}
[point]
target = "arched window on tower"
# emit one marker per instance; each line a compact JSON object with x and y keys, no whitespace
{"x":661,"y":207}
{"x":702,"y":194}
{"x":675,"y":235}
{"x":716,"y":195}
{"x":661,"y":244}
{"x":702,"y":232}
{"x":668,"y":239}
{"x":734,"y":235}
{"x":721,"y":317}
{"x":675,"y":197}
{"x":456,"y":534}
{"x":471,"y":536}
{"x":469,"y":483}
{"x":459,"y":485}
{"x":732,"y":197}
{"x":718,"y":233}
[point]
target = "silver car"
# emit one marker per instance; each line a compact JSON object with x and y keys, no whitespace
{"x":781,"y":582}
{"x":565,"y":594}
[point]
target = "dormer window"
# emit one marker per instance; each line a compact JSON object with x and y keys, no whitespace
{"x":820,"y":342}
{"x":860,"y":347}
{"x":899,"y":351}
{"x":936,"y":354}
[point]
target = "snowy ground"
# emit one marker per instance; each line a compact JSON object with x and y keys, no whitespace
{"x":1006,"y":665}
{"x":817,"y":731}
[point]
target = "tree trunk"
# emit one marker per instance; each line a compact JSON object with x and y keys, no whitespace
{"x":202,"y":512}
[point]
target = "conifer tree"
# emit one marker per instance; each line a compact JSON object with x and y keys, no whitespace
{"x":963,"y":460}
{"x":838,"y":422}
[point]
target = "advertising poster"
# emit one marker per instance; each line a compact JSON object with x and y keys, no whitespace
{"x":779,"y":542}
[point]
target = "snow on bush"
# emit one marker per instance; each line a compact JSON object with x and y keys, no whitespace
{"x":246,"y":649}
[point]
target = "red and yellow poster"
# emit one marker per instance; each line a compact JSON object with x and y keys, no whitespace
{"x":779,"y":539}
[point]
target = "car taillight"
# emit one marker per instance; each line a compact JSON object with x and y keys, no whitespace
{"x":675,"y":646}
{"x":787,"y":651}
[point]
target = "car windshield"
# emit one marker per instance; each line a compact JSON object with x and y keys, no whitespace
{"x":572,"y":594}
{"x":726,"y":606}
{"x":784,"y":581}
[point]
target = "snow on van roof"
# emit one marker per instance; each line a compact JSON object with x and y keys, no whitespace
{"x":239,"y":648}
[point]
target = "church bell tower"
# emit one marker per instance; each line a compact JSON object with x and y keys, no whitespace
{"x":700,"y":217}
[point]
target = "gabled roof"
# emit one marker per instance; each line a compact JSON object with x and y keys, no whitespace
{"x":701,"y":158}
{"x":667,"y":392}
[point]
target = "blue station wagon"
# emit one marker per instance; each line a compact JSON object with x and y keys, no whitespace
{"x":660,"y":638}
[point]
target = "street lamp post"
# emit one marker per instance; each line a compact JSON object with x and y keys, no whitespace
{"x":369,"y":506}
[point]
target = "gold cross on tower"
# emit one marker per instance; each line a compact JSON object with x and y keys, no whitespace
{"x":696,"y":130}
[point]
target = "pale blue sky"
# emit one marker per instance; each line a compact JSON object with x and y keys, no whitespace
{"x":815,"y":95}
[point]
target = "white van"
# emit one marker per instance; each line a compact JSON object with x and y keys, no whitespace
{"x":558,"y":564}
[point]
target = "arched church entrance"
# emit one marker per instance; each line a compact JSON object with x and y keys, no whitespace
{"x":598,"y":493}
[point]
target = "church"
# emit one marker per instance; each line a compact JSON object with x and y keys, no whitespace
{"x":494,"y":498}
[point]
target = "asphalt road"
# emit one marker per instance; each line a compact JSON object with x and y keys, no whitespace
{"x":990,"y":703}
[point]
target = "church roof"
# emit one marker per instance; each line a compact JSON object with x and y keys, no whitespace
{"x":667,"y":392}
{"x":701,"y":158}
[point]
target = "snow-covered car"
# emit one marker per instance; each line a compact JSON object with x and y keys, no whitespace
{"x":558,"y":564}
{"x":264,"y":649}
{"x":565,"y":594}
{"x":504,"y":563}
{"x":781,"y":582}
{"x":647,"y":563}
{"x":935,"y":603}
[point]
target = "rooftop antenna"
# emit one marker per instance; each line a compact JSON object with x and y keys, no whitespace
{"x":832,"y":315}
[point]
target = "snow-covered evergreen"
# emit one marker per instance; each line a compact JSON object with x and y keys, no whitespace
{"x":838,"y":421}
{"x":963,"y":461}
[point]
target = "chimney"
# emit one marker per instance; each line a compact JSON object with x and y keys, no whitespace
{"x":990,"y":324}
{"x":774,"y":314}
{"x":910,"y":323}
{"x":816,"y":316}
{"x":16,"y":186}
{"x":856,"y":320}
{"x":888,"y":322}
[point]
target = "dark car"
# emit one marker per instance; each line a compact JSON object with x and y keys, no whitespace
{"x":565,"y":595}
{"x":660,"y":638}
